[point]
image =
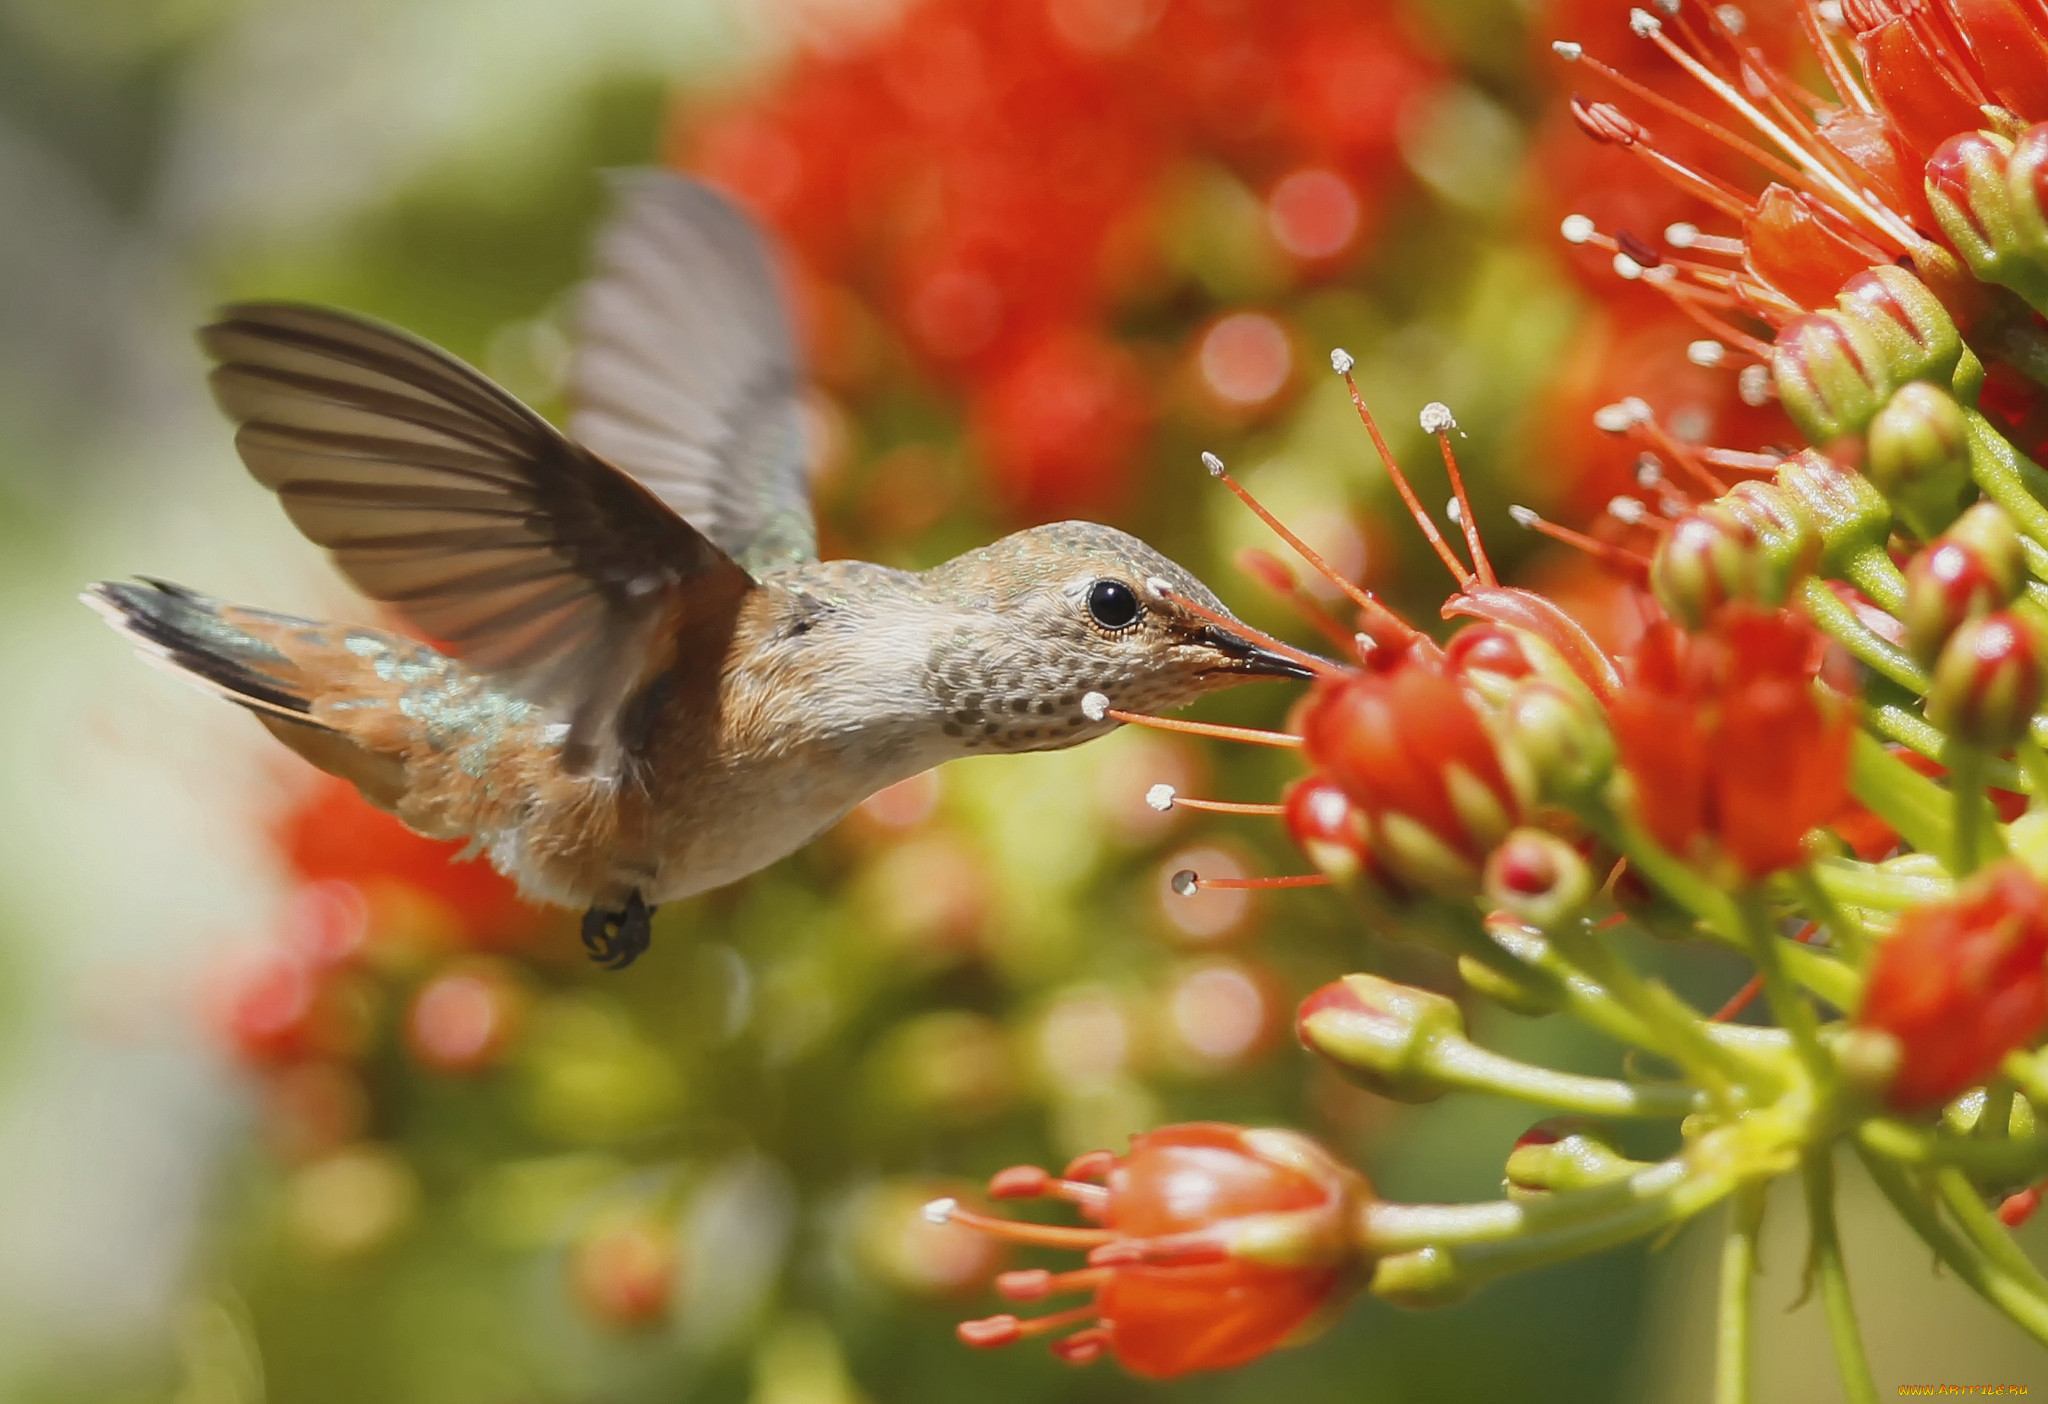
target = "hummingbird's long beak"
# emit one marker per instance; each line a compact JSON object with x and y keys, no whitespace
{"x":1250,"y":659}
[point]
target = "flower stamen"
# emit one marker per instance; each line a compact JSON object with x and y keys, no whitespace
{"x":1187,"y":882}
{"x":1341,"y":362}
{"x":1095,"y":706}
{"x":1165,"y":797}
{"x":1634,"y":564}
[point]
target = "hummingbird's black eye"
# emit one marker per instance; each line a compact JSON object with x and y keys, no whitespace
{"x":1112,"y":604}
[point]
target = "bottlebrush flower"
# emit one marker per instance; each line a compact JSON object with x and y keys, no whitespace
{"x":1214,"y":1245}
{"x":1960,"y":984}
{"x":1730,"y":749}
{"x":1401,"y":738}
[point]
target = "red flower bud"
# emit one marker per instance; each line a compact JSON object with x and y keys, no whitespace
{"x":1329,"y":828}
{"x":1215,"y":1246}
{"x":1405,"y":743}
{"x":1959,"y":985}
{"x":1730,"y":749}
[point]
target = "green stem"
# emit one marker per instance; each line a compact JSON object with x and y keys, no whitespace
{"x":1898,"y":794}
{"x":1982,"y":1227}
{"x":1788,"y":1003}
{"x":1473,"y":1243}
{"x":2008,"y":477}
{"x":1877,"y":889}
{"x":1851,"y":936}
{"x":2007,"y":1160}
{"x":1839,"y":622}
{"x":1824,"y":1259}
{"x":1916,"y":733}
{"x":1975,"y":832}
{"x":1459,"y":1063}
{"x":1871,"y":571}
{"x":1738,"y":1274}
{"x":2026,"y":1308}
{"x":1820,"y":974}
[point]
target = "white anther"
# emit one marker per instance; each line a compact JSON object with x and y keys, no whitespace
{"x":1160,"y":797}
{"x":940,"y":1211}
{"x":1649,"y":470}
{"x":1706,"y":352}
{"x":1213,"y":464}
{"x":1363,"y":644}
{"x":1340,"y":361}
{"x":1626,"y":268}
{"x":1643,"y":24}
{"x":1732,"y":19}
{"x":1524,"y":516}
{"x":1621,"y":416}
{"x":1436,"y":418}
{"x":1681,"y":235}
{"x":1577,"y":228}
{"x":1831,"y":12}
{"x":1660,"y":275}
{"x":1185,"y":883}
{"x":1568,"y":51}
{"x":1754,"y":385}
{"x":1454,"y":511}
{"x":1626,"y":509}
{"x":1094,"y":706}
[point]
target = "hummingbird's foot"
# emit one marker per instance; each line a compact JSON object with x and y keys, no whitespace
{"x":615,"y":938}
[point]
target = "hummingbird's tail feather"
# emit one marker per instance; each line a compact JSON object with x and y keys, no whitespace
{"x":239,"y":654}
{"x":185,"y":633}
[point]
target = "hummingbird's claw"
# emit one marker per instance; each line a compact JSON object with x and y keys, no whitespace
{"x":615,"y":937}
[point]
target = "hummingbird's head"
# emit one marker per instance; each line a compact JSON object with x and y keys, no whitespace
{"x":1043,"y":617}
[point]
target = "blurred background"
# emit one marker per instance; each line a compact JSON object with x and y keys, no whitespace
{"x":290,"y":1109}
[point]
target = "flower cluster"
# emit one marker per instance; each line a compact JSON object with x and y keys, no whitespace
{"x":1038,"y":203}
{"x":1822,"y":747}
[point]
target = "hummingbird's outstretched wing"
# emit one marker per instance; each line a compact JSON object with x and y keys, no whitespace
{"x":685,"y":370}
{"x":440,"y":494}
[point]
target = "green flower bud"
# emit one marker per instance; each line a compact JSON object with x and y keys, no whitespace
{"x":1379,"y":1033}
{"x":1973,"y":568}
{"x":1562,"y":1155}
{"x":1828,"y":375}
{"x":1851,"y":516}
{"x":1559,"y":737}
{"x":1538,"y":878}
{"x":1983,"y":204}
{"x":1919,"y":457}
{"x":1915,"y":336}
{"x":1987,"y":682}
{"x":1426,"y":1277}
{"x":1752,"y":544}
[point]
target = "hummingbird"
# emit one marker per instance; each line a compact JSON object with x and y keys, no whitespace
{"x":644,"y":683}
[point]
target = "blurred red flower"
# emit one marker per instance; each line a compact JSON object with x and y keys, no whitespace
{"x":1960,"y":984}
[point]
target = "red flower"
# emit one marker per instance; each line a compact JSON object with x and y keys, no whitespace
{"x":1960,"y":984}
{"x":1400,"y":737}
{"x":1216,"y":1245}
{"x":1000,"y":184}
{"x":1729,"y":747}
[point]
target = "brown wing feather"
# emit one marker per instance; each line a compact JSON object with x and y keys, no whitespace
{"x":443,"y":496}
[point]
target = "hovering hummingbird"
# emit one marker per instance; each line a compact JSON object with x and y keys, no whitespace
{"x":646,"y":682}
